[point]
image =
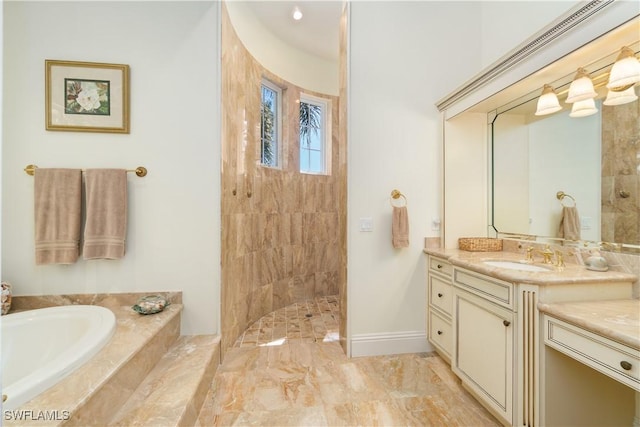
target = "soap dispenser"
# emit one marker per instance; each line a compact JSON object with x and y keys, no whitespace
{"x":596,"y":262}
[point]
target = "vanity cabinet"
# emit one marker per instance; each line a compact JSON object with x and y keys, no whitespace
{"x":616,"y":360}
{"x":498,"y":341}
{"x":484,"y":334}
{"x":439,"y":305}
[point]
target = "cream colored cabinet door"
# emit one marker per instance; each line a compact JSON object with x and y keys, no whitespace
{"x":484,"y":335}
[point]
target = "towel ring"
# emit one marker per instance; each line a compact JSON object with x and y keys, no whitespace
{"x":560,"y":195}
{"x":395,"y":195}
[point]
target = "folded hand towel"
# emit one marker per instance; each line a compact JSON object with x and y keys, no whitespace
{"x":58,"y":199}
{"x":570,"y":223}
{"x":400,"y":227}
{"x":106,"y":205}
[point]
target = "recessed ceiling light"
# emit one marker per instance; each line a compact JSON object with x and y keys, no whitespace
{"x":297,"y":13}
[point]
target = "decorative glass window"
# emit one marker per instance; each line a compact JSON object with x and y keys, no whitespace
{"x":271,"y":96}
{"x":315,"y":134}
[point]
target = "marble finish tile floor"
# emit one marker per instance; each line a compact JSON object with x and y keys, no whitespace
{"x":310,"y":382}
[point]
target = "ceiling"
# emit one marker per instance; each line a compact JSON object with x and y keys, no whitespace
{"x":316,"y":33}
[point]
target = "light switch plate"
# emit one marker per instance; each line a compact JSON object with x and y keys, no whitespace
{"x":366,"y":224}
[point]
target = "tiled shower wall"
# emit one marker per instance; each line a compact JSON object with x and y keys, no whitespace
{"x":621,"y":173}
{"x":282,"y":231}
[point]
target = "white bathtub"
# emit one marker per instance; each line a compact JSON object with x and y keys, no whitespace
{"x":40,"y":347}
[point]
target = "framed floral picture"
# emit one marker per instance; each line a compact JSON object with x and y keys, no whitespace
{"x":86,"y":96}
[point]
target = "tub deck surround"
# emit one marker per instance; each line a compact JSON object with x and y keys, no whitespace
{"x":618,"y":320}
{"x":112,"y":301}
{"x":93,"y":391}
{"x":571,"y":274}
{"x":174,"y":391}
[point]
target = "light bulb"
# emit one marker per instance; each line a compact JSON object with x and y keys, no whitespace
{"x":581,"y":87}
{"x":548,"y":102}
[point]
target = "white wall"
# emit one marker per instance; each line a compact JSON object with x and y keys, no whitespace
{"x":282,"y":59}
{"x":400,"y":59}
{"x":465,"y":177}
{"x":173,"y":240}
{"x":506,"y":24}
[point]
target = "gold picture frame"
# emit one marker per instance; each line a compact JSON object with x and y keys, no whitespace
{"x":86,"y":96}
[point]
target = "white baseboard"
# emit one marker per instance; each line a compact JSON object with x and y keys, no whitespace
{"x":389,"y":343}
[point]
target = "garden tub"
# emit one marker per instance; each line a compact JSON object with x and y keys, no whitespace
{"x":41,"y":347}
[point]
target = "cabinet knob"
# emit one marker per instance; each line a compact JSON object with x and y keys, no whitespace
{"x":439,"y":332}
{"x":506,"y":322}
{"x":439,"y":265}
{"x":439,"y":295}
{"x":625,"y":365}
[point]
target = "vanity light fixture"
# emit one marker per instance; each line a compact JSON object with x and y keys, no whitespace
{"x":581,"y":87}
{"x":619,"y":98}
{"x":583,"y":108}
{"x":625,"y":71}
{"x":297,"y":13}
{"x":548,"y":102}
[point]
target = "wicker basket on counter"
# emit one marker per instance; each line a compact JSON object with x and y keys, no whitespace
{"x":480,"y":244}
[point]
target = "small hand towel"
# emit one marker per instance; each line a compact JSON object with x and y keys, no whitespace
{"x":400,"y":227}
{"x":106,"y":209}
{"x":570,"y":223}
{"x":58,"y":213}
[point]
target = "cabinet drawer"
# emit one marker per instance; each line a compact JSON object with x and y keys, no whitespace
{"x":616,"y":360}
{"x":440,"y":333}
{"x":440,"y":294}
{"x":441,"y":266}
{"x":494,"y":290}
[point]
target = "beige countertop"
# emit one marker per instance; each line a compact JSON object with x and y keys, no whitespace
{"x":572,"y":273}
{"x":618,"y":320}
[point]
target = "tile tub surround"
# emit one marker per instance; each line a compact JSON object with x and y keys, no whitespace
{"x":315,"y":384}
{"x":111,"y":301}
{"x":93,"y":391}
{"x":618,"y":320}
{"x":282,"y":232}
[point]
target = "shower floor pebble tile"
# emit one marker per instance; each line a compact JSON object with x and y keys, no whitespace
{"x":309,"y":321}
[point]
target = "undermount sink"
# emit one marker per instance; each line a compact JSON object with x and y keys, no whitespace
{"x":514,"y":265}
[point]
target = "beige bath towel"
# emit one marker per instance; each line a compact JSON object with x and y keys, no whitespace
{"x":58,"y":200}
{"x":106,"y":205}
{"x":400,"y":227}
{"x":570,"y":223}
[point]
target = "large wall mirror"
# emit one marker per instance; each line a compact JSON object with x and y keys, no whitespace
{"x":543,"y":163}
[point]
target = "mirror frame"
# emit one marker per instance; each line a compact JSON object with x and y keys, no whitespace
{"x":598,"y":67}
{"x":523,"y":70}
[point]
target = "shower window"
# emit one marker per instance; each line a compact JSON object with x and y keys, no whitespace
{"x":315,"y":134}
{"x":271,"y":103}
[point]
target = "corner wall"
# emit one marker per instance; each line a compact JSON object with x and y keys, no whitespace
{"x":400,"y":61}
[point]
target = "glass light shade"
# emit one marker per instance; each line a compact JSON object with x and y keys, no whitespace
{"x":583,"y":108}
{"x":625,"y":71}
{"x":619,"y":98}
{"x":548,"y":102}
{"x":581,"y":87}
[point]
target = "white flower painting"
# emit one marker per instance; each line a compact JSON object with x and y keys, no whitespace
{"x":87,"y":97}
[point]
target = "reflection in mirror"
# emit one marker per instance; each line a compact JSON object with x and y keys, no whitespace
{"x":594,"y":160}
